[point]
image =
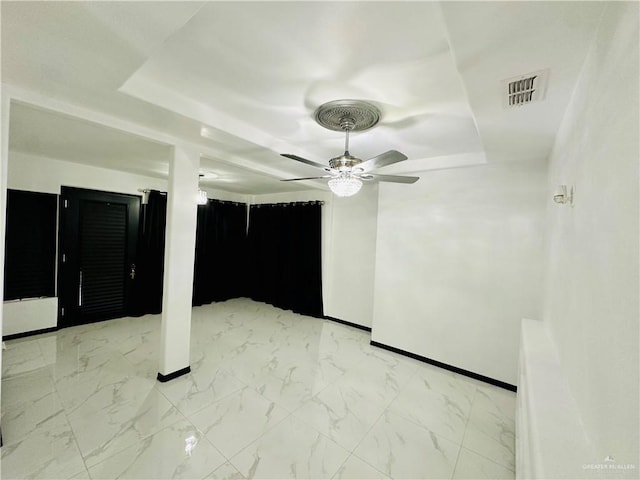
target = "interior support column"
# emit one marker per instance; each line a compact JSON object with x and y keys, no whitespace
{"x":180,"y":241}
{"x":4,"y":162}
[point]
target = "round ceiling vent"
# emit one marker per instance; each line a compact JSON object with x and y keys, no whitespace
{"x":351,"y":115}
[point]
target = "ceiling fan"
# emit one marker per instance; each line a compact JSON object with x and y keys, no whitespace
{"x":346,"y":172}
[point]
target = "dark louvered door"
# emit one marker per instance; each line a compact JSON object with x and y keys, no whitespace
{"x":97,"y":269}
{"x":103,"y":252}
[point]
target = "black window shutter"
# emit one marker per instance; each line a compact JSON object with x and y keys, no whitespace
{"x":30,"y":245}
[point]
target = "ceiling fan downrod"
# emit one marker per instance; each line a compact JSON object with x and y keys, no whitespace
{"x":345,"y":162}
{"x":347,"y":124}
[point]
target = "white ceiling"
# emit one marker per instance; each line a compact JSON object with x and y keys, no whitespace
{"x":250,"y":75}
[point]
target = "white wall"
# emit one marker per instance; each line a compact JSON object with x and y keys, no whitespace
{"x":353,"y":257}
{"x":38,"y":174}
{"x":226,"y":196}
{"x":348,"y":250}
{"x":591,"y":301}
{"x":458,"y":266}
{"x":47,"y":175}
{"x":29,"y":315}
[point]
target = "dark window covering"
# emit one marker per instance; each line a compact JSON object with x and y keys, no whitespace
{"x":30,"y":245}
{"x":285,"y":254}
{"x":220,"y":257}
{"x":278,"y":262}
{"x":150,"y":261}
{"x":220,"y":262}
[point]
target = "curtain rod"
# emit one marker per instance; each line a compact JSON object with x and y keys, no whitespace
{"x":231,"y":202}
{"x":309,"y":202}
{"x":147,"y":190}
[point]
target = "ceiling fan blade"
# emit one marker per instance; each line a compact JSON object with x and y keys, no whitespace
{"x":382,"y":160}
{"x":389,"y":178}
{"x":306,"y":178}
{"x":304,"y":160}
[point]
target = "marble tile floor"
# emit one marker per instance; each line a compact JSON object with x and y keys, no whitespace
{"x":272,"y":394}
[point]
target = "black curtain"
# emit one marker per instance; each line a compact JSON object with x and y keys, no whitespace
{"x":220,"y":263}
{"x":285,"y":255}
{"x":279,"y":262}
{"x":150,"y":259}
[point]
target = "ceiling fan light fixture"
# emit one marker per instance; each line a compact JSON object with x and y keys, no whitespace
{"x":202,"y":197}
{"x":345,"y":185}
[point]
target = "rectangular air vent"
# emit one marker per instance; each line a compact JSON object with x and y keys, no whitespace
{"x":525,"y":89}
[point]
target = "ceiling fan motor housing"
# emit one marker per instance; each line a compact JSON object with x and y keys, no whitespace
{"x":344,"y":162}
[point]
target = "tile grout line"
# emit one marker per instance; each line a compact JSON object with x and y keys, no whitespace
{"x":386,"y":410}
{"x":122,"y":448}
{"x":455,"y":466}
{"x":480,"y":387}
{"x":473,"y":450}
{"x":73,"y":432}
{"x":259,"y":436}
